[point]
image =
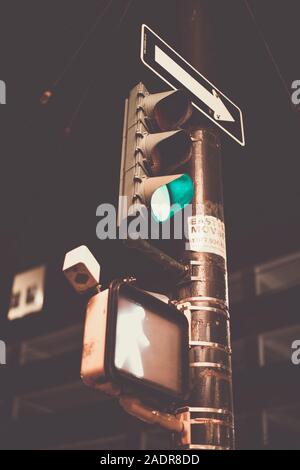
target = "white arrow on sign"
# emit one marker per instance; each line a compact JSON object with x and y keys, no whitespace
{"x":212,"y":100}
{"x":206,"y":98}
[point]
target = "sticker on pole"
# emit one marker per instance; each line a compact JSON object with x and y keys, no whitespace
{"x":173,"y":69}
{"x":207,"y":234}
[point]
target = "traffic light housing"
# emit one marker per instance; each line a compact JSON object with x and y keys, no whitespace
{"x":136,"y":343}
{"x":153,"y":149}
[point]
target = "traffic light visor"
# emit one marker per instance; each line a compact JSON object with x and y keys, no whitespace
{"x":170,"y":109}
{"x":166,"y":151}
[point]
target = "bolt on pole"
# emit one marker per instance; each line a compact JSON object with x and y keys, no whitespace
{"x":203,"y":296}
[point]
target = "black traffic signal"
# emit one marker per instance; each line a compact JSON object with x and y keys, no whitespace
{"x":154,"y":147}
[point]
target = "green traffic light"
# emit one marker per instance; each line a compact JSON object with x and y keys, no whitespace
{"x":172,"y":197}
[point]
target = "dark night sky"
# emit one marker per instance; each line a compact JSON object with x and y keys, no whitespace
{"x":51,"y":184}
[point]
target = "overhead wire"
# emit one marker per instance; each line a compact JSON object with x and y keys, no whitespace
{"x":90,"y":33}
{"x":47,"y":94}
{"x":85,"y":93}
{"x":267,"y":48}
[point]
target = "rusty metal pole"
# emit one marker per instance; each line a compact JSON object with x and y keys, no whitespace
{"x":204,"y":295}
{"x":204,"y":299}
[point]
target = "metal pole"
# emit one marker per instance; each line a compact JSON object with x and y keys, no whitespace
{"x":204,"y":299}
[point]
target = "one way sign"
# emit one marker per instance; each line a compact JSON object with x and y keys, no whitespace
{"x":173,"y":69}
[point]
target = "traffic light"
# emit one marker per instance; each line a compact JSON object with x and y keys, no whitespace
{"x":135,"y":343}
{"x":153,"y":149}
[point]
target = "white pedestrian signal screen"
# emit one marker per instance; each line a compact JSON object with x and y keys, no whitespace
{"x":148,"y":346}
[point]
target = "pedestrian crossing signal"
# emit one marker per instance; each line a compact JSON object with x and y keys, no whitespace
{"x":135,"y":342}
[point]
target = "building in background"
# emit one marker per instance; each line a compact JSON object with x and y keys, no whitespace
{"x":59,"y":162}
{"x":43,"y":391}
